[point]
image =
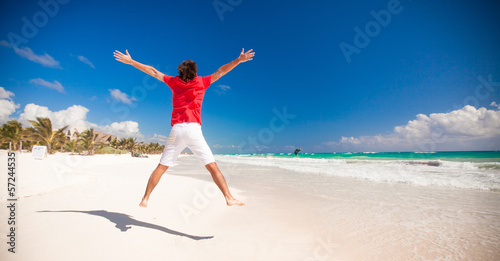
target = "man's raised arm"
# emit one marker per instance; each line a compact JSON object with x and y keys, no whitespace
{"x":244,"y":56}
{"x":126,"y":59}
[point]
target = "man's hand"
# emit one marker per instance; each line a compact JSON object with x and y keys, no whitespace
{"x":245,"y":56}
{"x":124,"y":58}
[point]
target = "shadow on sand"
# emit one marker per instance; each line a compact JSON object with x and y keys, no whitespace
{"x":124,"y":222}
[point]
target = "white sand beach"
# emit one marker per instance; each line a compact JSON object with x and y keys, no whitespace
{"x":86,"y":208}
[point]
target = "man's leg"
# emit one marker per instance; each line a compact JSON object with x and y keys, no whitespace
{"x":197,"y":144}
{"x":153,"y":180}
{"x":221,"y":183}
{"x":175,"y":144}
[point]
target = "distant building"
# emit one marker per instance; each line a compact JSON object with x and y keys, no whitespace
{"x":104,"y":137}
{"x":72,"y":134}
{"x":101,"y":137}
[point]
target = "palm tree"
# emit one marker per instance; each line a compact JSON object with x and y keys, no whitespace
{"x":42,"y":132}
{"x":122,"y":144}
{"x":11,"y":132}
{"x":114,"y":143}
{"x":85,"y":144}
{"x":71,"y":145}
{"x":88,"y":140}
{"x":141,"y":147}
{"x":158,"y":148}
{"x":154,"y":148}
{"x":130,"y":144}
{"x":60,"y":140}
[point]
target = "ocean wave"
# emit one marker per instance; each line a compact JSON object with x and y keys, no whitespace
{"x":433,"y":163}
{"x":489,"y":165}
{"x":460,"y":165}
{"x":468,"y":175}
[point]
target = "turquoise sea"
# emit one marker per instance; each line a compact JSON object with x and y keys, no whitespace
{"x":462,"y":156}
{"x":460,"y":169}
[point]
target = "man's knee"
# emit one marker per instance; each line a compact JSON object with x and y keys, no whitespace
{"x":211,"y":166}
{"x":162,"y":168}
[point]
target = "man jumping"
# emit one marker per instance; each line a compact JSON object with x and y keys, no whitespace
{"x":188,"y":90}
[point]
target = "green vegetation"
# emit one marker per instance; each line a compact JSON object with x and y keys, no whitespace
{"x":41,"y":133}
{"x":111,"y":150}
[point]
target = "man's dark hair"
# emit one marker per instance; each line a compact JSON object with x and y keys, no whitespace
{"x":187,"y":70}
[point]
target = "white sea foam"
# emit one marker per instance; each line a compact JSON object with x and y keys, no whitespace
{"x":468,"y":175}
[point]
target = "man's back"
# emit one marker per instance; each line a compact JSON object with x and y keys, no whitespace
{"x":187,"y":98}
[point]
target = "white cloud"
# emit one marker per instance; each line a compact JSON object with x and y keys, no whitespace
{"x":52,"y":85}
{"x":120,"y":96}
{"x":26,"y":52}
{"x":219,"y":146}
{"x":4,"y":94}
{"x":74,"y":116}
{"x":464,"y":129}
{"x":6,"y":109}
{"x":7,"y":105}
{"x":161,"y":139}
{"x":124,"y":129}
{"x":86,"y":61}
{"x":222,"y":89}
{"x":494,"y":104}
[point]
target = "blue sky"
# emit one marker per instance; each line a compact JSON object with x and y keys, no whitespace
{"x":427,"y":59}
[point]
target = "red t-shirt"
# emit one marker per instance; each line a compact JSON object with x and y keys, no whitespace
{"x":187,"y":98}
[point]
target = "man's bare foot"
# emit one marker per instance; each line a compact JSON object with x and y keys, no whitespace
{"x":144,"y":203}
{"x":234,"y":202}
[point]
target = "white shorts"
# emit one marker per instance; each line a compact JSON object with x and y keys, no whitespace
{"x":185,"y":135}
